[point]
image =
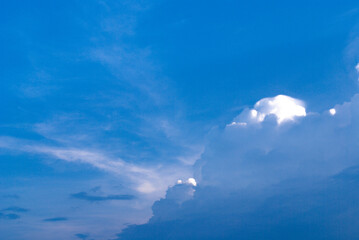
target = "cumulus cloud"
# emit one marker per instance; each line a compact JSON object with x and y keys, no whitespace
{"x":318,"y":209}
{"x":190,"y":181}
{"x":260,"y":181}
{"x":282,"y":107}
{"x":332,"y":111}
{"x":320,"y":145}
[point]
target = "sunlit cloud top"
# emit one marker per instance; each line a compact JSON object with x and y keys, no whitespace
{"x":282,"y":107}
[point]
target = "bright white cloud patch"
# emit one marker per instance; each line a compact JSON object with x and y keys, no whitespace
{"x":357,"y":68}
{"x":283,"y":107}
{"x":237,"y":124}
{"x":192,"y":181}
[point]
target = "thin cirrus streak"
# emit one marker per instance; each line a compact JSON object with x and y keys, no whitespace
{"x":145,"y":180}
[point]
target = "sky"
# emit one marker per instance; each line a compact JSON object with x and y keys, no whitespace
{"x":179,"y":120}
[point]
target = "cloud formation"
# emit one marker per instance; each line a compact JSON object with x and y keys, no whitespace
{"x":81,"y":236}
{"x":96,"y":198}
{"x":9,"y":216}
{"x":15,"y":209}
{"x":269,"y":180}
{"x":282,"y":107}
{"x":55,"y":219}
{"x":152,"y":180}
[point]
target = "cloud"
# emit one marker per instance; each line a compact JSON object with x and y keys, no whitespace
{"x":96,"y":198}
{"x":144,"y":179}
{"x":332,"y":111}
{"x":190,"y":181}
{"x":318,"y":209}
{"x":81,"y":236}
{"x":16,"y":209}
{"x":55,"y":219}
{"x":269,"y":180}
{"x":9,"y":216}
{"x":136,"y":86}
{"x":265,"y":154}
{"x":282,"y":107}
{"x":4,"y":213}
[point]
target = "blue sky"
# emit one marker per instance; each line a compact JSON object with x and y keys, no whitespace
{"x":106,"y":105}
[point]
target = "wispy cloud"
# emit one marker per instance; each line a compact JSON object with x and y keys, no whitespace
{"x":16,"y":209}
{"x":55,"y":219}
{"x":9,"y":216}
{"x":81,"y":236}
{"x":97,"y":198}
{"x":144,"y":179}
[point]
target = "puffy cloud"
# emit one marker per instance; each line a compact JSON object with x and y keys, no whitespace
{"x":190,"y":181}
{"x":316,"y":209}
{"x":283,"y":108}
{"x":261,"y":181}
{"x":332,"y":111}
{"x":243,"y":156}
{"x":180,"y":193}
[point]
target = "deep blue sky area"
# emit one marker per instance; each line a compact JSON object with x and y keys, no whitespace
{"x":115,"y":101}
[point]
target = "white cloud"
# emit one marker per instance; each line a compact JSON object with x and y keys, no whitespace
{"x":357,"y":69}
{"x":320,"y":145}
{"x":152,"y":180}
{"x":284,"y":108}
{"x":249,"y":176}
{"x":192,"y":181}
{"x":182,"y":191}
{"x":332,"y":111}
{"x":237,"y":124}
